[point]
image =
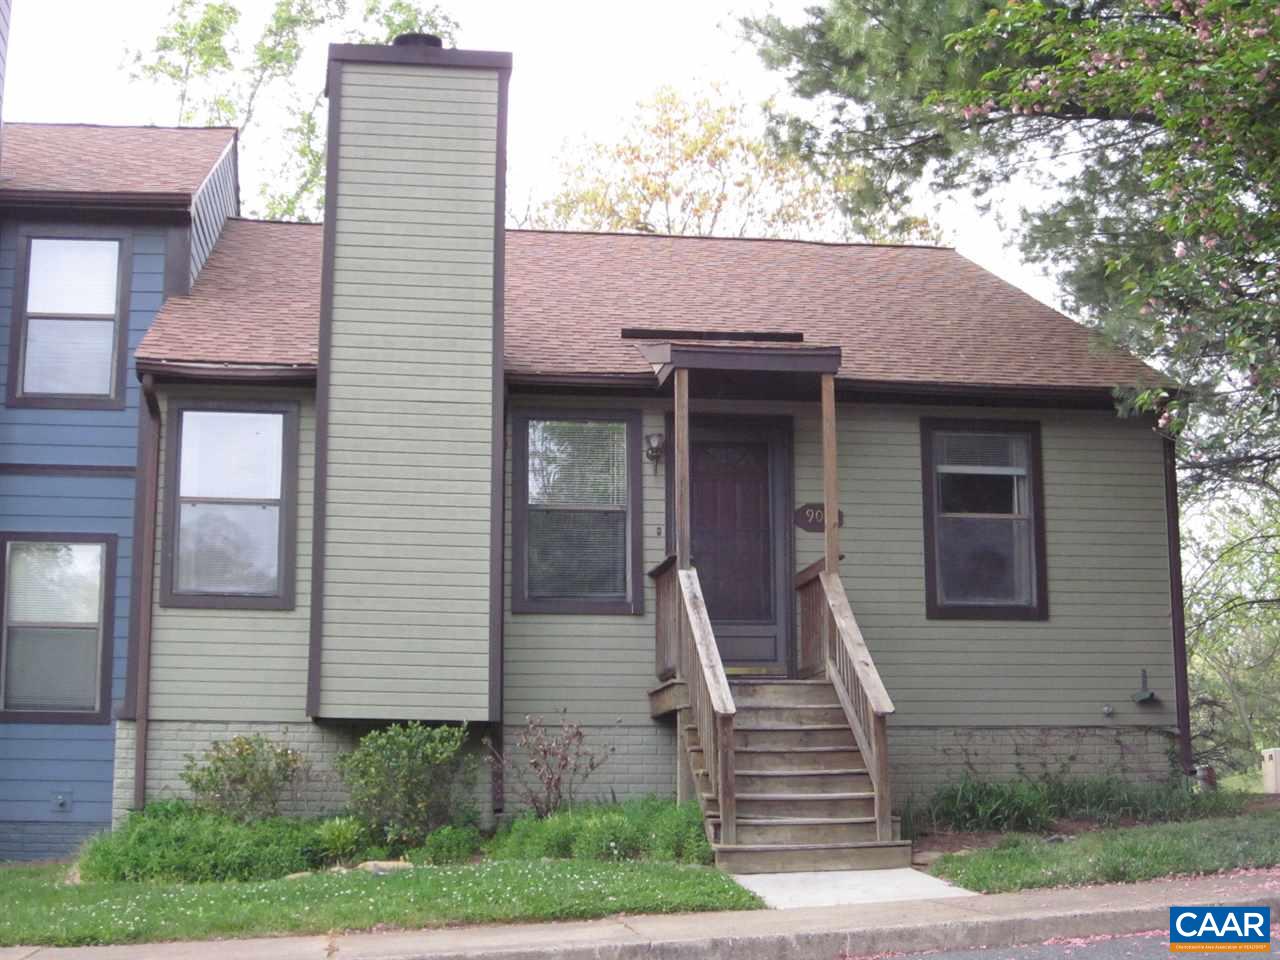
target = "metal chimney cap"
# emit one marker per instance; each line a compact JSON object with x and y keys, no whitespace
{"x":417,"y":40}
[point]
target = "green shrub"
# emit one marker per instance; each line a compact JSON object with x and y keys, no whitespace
{"x":1034,"y":805}
{"x":979,"y":805}
{"x":677,"y":834}
{"x":528,"y":838}
{"x":244,"y":777}
{"x":407,"y":780}
{"x":609,"y":836}
{"x":178,"y":842}
{"x":341,"y":839}
{"x":447,"y":845}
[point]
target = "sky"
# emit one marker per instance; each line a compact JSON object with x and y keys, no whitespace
{"x":580,"y":66}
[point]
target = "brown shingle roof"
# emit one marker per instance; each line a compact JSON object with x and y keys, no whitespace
{"x":256,"y":301}
{"x":899,"y":314}
{"x":85,"y":159}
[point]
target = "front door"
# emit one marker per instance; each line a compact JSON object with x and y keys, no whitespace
{"x":740,"y":511}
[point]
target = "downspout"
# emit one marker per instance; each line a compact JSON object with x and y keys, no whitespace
{"x":144,"y":555}
{"x":1177,"y":614}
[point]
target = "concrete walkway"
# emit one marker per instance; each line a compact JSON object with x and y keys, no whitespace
{"x":821,"y":933}
{"x":840,"y":888}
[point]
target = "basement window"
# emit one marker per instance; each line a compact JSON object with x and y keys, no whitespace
{"x":983,"y":519}
{"x":231,"y":499}
{"x":576,"y":513}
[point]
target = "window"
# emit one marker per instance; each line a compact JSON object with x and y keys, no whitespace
{"x":56,"y":641}
{"x":230,"y":506}
{"x":576,"y":533}
{"x":70,"y":348}
{"x":984,"y":520}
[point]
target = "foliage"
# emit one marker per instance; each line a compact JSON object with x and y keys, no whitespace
{"x":1152,"y":129}
{"x":559,"y":763}
{"x":340,"y":839}
{"x":221,"y":73}
{"x":176,"y":842}
{"x":244,"y":777}
{"x":1232,"y":583}
{"x":651,"y":828}
{"x":608,"y":835}
{"x":1124,"y":855}
{"x":700,"y":167}
{"x":409,"y":779}
{"x":447,"y":845}
{"x":1034,"y":805}
{"x":40,"y":909}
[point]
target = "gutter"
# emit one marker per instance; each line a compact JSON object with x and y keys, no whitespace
{"x":146,"y":498}
{"x":1177,"y":615}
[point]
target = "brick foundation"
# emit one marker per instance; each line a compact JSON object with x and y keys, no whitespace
{"x":925,"y":758}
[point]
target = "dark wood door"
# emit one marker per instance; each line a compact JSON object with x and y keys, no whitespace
{"x":739,"y":510}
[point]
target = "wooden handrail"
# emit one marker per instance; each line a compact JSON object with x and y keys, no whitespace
{"x":832,"y":643}
{"x":710,"y":700}
{"x":666,"y":621}
{"x":810,"y":573}
{"x":854,"y":644}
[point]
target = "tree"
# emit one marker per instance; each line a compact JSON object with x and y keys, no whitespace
{"x":1233,"y":632}
{"x":219,"y":79}
{"x":1153,"y":126}
{"x":702,"y":167}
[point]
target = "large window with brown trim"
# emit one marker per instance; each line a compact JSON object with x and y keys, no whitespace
{"x":983,"y":519}
{"x":576,"y":512}
{"x":55,"y":611}
{"x":230,"y":506}
{"x":68,"y":348}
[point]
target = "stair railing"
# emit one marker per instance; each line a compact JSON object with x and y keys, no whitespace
{"x":710,"y":699}
{"x":829,"y":630}
{"x":666,"y":622}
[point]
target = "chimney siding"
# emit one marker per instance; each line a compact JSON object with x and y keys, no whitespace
{"x":411,"y":347}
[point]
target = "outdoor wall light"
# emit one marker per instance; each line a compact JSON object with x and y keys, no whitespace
{"x":653,"y":444}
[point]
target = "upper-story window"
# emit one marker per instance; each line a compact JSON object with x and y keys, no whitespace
{"x":55,"y":610}
{"x":575,"y":528}
{"x":984,"y":520}
{"x":69,"y":345}
{"x":231,"y":506}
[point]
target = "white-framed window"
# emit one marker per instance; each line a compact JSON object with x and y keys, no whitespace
{"x":56,"y":623}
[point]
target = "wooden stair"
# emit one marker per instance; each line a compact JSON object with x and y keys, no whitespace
{"x":805,"y":800}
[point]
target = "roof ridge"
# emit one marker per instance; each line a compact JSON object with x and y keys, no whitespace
{"x":113,"y":126}
{"x":281,"y":223}
{"x":690,"y":236}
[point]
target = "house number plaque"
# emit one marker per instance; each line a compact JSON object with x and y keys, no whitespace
{"x":813,"y":518}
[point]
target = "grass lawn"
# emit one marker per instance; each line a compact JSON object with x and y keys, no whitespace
{"x":38,"y":908}
{"x":1123,"y":855}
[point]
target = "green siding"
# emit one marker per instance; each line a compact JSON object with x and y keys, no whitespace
{"x":235,"y":665}
{"x":406,"y":597}
{"x":1108,"y":575}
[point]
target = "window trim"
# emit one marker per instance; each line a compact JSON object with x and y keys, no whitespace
{"x":633,"y":603}
{"x":935,"y":609}
{"x":110,"y":545}
{"x":16,"y":396}
{"x":285,"y":597}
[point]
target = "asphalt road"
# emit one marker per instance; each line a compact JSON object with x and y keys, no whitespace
{"x":1147,"y":946}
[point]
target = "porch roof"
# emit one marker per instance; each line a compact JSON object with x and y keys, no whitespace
{"x":902,"y":317}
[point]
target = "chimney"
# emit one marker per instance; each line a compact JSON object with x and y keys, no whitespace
{"x":407,"y":541}
{"x":5,"y":7}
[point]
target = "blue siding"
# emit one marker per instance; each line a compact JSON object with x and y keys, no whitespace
{"x":39,"y":760}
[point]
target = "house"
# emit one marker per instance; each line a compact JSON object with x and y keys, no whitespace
{"x":799,"y":529}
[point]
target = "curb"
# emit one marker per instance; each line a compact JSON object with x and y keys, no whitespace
{"x":845,"y":944}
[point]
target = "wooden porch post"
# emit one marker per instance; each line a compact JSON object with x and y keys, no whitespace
{"x":830,"y":479}
{"x":683,"y":541}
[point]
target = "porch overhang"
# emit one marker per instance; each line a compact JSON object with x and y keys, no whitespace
{"x":667,"y":357}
